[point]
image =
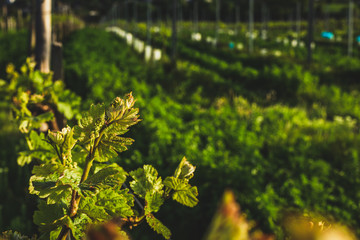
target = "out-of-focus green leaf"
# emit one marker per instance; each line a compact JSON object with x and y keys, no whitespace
{"x":158,"y":226}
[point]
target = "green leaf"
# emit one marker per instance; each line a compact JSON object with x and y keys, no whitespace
{"x":30,"y":122}
{"x":23,"y":100}
{"x":121,"y":115}
{"x":122,"y":109}
{"x":38,"y":80}
{"x":50,"y":190}
{"x":50,"y":216}
{"x":104,"y":153}
{"x":146,"y":180}
{"x":69,"y":141}
{"x":79,"y":154}
{"x":184,"y":193}
{"x":23,"y":159}
{"x":185,"y":170}
{"x":24,"y":126}
{"x":38,"y":149}
{"x":118,"y":143}
{"x":112,"y":175}
{"x":63,"y":141}
{"x":187,"y":196}
{"x":81,"y":221}
{"x":38,"y":141}
{"x":36,"y":121}
{"x":116,"y":203}
{"x":106,"y":204}
{"x":41,"y":186}
{"x":54,"y":182}
{"x":71,"y":177}
{"x":56,"y":137}
{"x":46,"y":169}
{"x":90,"y":124}
{"x":109,"y":147}
{"x":52,"y":236}
{"x":58,"y":194}
{"x":158,"y":226}
{"x":66,"y":109}
{"x":38,"y":98}
{"x":153,"y":202}
{"x":88,"y":206}
{"x":65,"y":136}
{"x":116,"y":130}
{"x":3,"y":83}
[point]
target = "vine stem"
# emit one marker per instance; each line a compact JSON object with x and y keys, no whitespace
{"x":63,"y":234}
{"x":75,"y":197}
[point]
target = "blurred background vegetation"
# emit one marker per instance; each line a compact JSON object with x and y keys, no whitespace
{"x":280,"y":131}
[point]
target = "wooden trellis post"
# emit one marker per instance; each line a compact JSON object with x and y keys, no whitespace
{"x":237,"y":16}
{"x":43,"y":35}
{"x":350,"y":28}
{"x":196,"y":16}
{"x":310,"y":30}
{"x":148,"y":23}
{"x":251,"y":26}
{"x":174,"y":31}
{"x":298,"y":22}
{"x":217,"y":20}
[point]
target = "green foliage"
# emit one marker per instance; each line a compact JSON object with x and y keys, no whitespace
{"x":149,"y":186}
{"x":35,"y":103}
{"x":10,"y":235}
{"x":75,"y":195}
{"x":38,"y":149}
{"x":184,"y":193}
{"x":276,"y":132}
{"x":35,"y":99}
{"x":95,"y":81}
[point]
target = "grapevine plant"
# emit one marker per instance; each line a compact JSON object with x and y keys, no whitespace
{"x":38,"y":104}
{"x":78,"y":182}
